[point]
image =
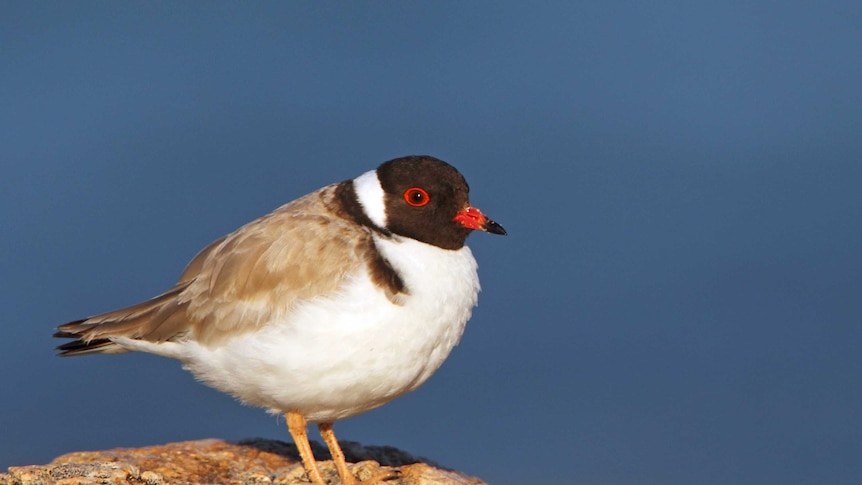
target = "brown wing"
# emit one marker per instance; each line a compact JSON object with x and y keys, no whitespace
{"x":298,"y":252}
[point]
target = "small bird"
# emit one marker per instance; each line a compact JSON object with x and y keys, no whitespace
{"x":327,"y":307}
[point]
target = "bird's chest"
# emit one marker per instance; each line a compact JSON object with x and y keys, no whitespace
{"x":361,"y":328}
{"x":352,"y":351}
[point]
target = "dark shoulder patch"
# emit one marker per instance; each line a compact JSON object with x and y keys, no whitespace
{"x":384,"y":275}
{"x":350,"y":208}
{"x":381,"y":272}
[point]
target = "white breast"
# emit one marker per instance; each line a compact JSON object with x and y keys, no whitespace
{"x":339,"y":356}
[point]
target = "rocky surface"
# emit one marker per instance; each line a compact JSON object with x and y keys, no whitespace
{"x":253,"y":461}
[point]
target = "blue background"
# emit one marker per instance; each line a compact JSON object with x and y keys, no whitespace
{"x":678,"y":301}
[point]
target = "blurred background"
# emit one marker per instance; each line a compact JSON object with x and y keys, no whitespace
{"x":678,"y":299}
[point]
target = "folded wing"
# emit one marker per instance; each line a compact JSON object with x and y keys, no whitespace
{"x":240,"y":282}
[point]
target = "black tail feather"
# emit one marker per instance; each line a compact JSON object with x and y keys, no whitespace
{"x":80,"y":347}
{"x":158,"y":319}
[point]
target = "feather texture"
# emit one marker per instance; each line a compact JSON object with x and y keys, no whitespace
{"x":301,"y":251}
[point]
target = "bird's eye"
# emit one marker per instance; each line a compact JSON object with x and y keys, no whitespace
{"x":416,"y":197}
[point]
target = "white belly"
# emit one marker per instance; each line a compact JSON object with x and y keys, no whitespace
{"x":337,"y":357}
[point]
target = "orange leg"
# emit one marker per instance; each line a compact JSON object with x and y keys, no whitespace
{"x":347,"y":478}
{"x":297,"y":426}
{"x":328,"y":435}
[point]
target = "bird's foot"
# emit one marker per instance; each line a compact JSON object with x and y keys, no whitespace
{"x":362,"y":473}
{"x":369,"y":473}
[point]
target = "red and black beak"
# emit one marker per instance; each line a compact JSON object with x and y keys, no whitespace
{"x":472,"y":218}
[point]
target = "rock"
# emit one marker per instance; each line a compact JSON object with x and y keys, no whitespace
{"x":252,"y":461}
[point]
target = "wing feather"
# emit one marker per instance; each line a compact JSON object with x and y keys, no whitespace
{"x":301,"y":251}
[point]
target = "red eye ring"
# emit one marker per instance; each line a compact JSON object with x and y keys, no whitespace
{"x":416,"y":197}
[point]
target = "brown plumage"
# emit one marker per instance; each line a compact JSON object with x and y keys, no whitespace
{"x":235,"y":283}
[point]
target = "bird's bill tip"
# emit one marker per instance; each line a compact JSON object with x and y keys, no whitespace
{"x":472,"y":218}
